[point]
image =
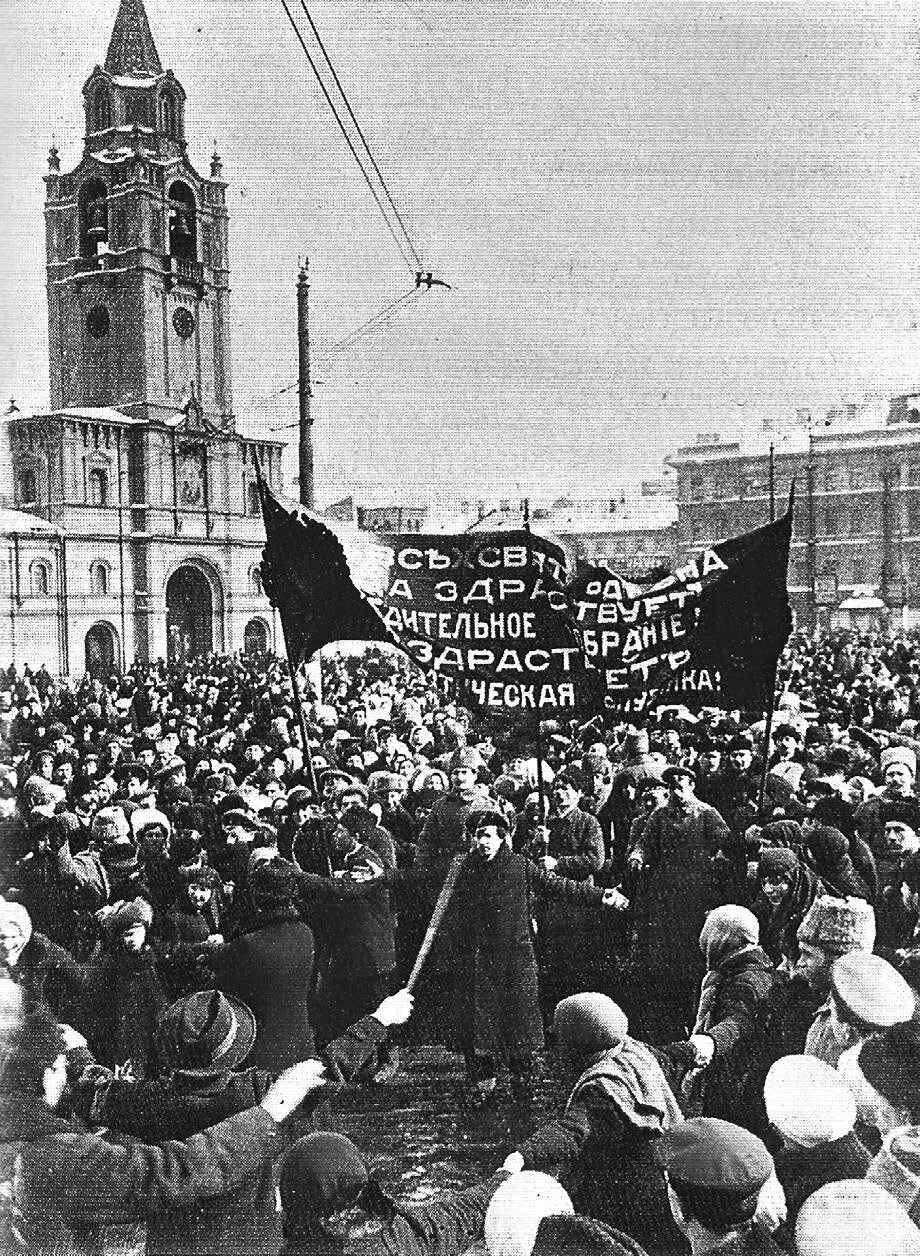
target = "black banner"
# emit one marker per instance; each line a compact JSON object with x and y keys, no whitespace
{"x":708,"y":635}
{"x":488,"y":612}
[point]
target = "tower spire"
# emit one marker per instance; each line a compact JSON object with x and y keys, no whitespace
{"x":132,"y":52}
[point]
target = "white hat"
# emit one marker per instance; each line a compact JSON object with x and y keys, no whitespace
{"x":807,"y":1101}
{"x":517,"y":1208}
{"x":854,"y":1217}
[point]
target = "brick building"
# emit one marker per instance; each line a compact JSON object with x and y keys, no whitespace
{"x":855,"y":555}
{"x":137,"y":466}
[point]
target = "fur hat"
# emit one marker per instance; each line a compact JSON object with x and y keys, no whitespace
{"x":838,"y":925}
{"x":899,"y":754}
{"x":110,"y":824}
{"x":590,"y":1022}
{"x":122,"y":916}
{"x":465,"y":757}
{"x":272,"y":884}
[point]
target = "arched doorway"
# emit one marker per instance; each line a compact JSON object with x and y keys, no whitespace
{"x":189,"y":615}
{"x":101,"y":650}
{"x":255,"y":637}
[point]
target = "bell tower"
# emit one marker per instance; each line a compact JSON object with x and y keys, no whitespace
{"x":137,"y":250}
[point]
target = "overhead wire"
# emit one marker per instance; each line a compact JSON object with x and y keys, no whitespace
{"x":361,"y":136}
{"x":405,"y":246}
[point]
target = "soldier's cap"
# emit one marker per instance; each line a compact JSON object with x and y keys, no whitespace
{"x":173,"y":764}
{"x":673,"y":773}
{"x":870,"y":990}
{"x":299,"y":796}
{"x":646,"y":783}
{"x":717,"y":1168}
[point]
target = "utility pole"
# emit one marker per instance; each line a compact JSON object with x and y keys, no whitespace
{"x":772,"y":483}
{"x":305,"y":392}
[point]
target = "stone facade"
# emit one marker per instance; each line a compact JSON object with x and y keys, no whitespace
{"x":138,"y":466}
{"x":856,"y":538}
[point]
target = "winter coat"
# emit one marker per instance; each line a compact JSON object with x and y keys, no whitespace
{"x":121,"y":1004}
{"x":447,"y":1225}
{"x":181,"y":1105}
{"x":444,"y":834}
{"x":270,"y":968}
{"x":47,"y":973}
{"x":358,"y":951}
{"x":497,"y":1007}
{"x":80,"y":1193}
{"x":731,"y":1088}
{"x":680,"y":884}
{"x":601,"y":1149}
{"x":568,"y":936}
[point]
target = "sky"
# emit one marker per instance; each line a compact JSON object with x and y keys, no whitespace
{"x":657,"y":219}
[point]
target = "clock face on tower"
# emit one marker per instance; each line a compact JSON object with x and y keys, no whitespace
{"x":97,"y":322}
{"x":183,"y":322}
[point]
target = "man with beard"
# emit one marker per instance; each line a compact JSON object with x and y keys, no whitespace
{"x":444,"y":834}
{"x":899,"y":770}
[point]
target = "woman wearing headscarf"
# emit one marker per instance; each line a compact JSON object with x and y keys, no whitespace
{"x":602,"y":1146}
{"x":729,"y":1035}
{"x":829,"y":855}
{"x":786,"y":889}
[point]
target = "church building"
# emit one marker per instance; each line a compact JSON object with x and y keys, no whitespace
{"x":133,"y":529}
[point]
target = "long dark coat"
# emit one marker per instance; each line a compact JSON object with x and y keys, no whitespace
{"x":498,"y":1008}
{"x":270,"y":969}
{"x":680,"y":884}
{"x":122,"y":1002}
{"x":732,"y":1086}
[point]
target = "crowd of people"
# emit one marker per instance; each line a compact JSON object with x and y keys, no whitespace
{"x":204,"y":934}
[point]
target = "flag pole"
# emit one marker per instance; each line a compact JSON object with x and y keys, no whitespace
{"x":292,"y":671}
{"x":541,"y":791}
{"x":767,"y":745}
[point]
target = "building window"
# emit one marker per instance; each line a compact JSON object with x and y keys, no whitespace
{"x":697,"y":485}
{"x":40,"y":578}
{"x":94,"y":218}
{"x":98,"y":579}
{"x":253,"y":505}
{"x":858,"y":478}
{"x":101,"y":115}
{"x":170,"y":116}
{"x":831,"y":523}
{"x":858,"y":571}
{"x":183,"y":223}
{"x":98,"y":482}
{"x":831,"y":478}
{"x":28,"y":491}
{"x":255,"y":579}
{"x":913,"y":515}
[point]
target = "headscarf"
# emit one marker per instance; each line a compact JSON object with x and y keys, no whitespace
{"x":780,"y":921}
{"x":830,"y":856}
{"x":322,"y":1174}
{"x":15,"y":915}
{"x":783,"y":833}
{"x":727,"y":932}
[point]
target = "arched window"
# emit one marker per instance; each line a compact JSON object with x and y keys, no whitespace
{"x":99,"y":578}
{"x":170,"y":116}
{"x":183,"y":223}
{"x":255,"y":637}
{"x":101,"y":110}
{"x":255,"y":579}
{"x":94,"y":217}
{"x":28,"y":487}
{"x":40,"y":578}
{"x":98,"y":483}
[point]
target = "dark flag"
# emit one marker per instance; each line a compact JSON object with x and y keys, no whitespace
{"x":306,"y":576}
{"x":708,"y":635}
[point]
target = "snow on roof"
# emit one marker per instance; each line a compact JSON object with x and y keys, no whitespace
{"x":131,"y":80}
{"x":19,"y":522}
{"x":89,"y":414}
{"x":863,"y":598}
